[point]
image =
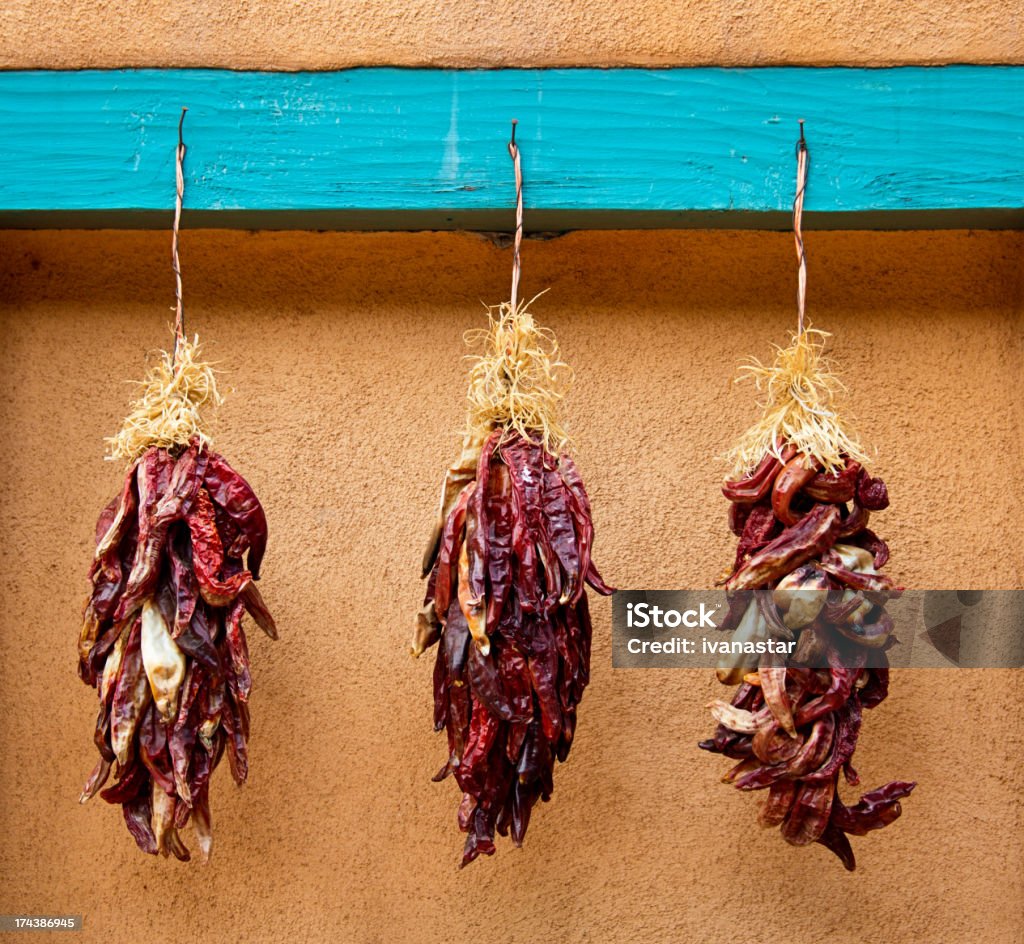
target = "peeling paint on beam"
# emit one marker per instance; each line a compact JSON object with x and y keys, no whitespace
{"x":425,"y":149}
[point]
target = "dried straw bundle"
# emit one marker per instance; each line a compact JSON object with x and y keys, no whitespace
{"x":173,"y":409}
{"x":799,"y":408}
{"x":518,"y":382}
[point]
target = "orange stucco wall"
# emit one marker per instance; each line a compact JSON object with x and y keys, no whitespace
{"x":343,"y":355}
{"x":335,"y":34}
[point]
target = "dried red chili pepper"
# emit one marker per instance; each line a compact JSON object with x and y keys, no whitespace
{"x":506,"y":689}
{"x":163,"y":642}
{"x":793,"y":732}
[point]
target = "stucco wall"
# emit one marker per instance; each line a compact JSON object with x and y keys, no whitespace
{"x":344,"y":355}
{"x":334,"y":34}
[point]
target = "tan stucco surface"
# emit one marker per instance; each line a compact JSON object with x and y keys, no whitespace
{"x":335,"y":34}
{"x":343,"y":352}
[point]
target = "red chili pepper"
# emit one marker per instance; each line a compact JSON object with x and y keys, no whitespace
{"x":811,"y":536}
{"x":499,"y":545}
{"x":561,"y":532}
{"x":182,"y":738}
{"x":134,"y":779}
{"x":834,"y":487}
{"x":759,"y":528}
{"x":476,"y":526}
{"x":116,"y":519}
{"x":257,"y":609}
{"x":138,"y":816}
{"x":233,"y":723}
{"x":448,"y":555}
{"x":208,"y":556}
{"x":153,"y":752}
{"x":234,"y":496}
{"x":755,"y":486}
{"x":876,"y":809}
{"x":239,"y":678}
{"x":872,"y":493}
{"x":794,"y":476}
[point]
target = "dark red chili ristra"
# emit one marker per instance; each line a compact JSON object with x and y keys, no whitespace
{"x":163,"y":644}
{"x":807,"y":569}
{"x":514,"y":631}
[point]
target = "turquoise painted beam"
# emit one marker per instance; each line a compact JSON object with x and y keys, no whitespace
{"x":426,"y":149}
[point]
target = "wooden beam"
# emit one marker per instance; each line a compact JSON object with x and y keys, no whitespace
{"x":426,"y":149}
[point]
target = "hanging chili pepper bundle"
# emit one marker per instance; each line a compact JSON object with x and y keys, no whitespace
{"x":162,"y":639}
{"x":506,"y":602}
{"x":506,"y":596}
{"x":807,"y":571}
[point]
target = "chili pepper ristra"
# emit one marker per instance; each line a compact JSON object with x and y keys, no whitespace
{"x":507,"y":568}
{"x":807,"y":570}
{"x":177,"y":553}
